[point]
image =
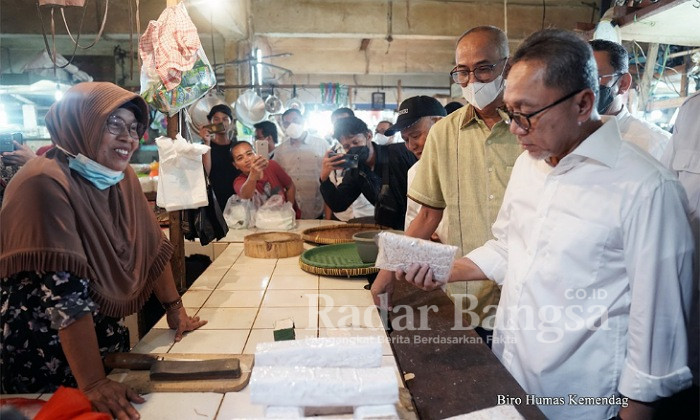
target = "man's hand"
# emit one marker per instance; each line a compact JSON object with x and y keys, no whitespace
{"x":257,"y":168}
{"x":21,"y":155}
{"x":179,"y":321}
{"x":383,"y":289}
{"x":205,"y":135}
{"x":114,"y":398}
{"x":419,"y":275}
{"x":330,"y":164}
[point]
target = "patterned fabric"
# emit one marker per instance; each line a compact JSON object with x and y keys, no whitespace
{"x":170,"y":45}
{"x":6,"y":174}
{"x":33,"y":307}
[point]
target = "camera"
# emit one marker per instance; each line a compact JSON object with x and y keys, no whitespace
{"x":351,"y":160}
{"x":7,"y":141}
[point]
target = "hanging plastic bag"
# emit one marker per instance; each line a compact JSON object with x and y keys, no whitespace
{"x":175,"y":70}
{"x":239,"y":213}
{"x":275,"y":214}
{"x":181,"y":183}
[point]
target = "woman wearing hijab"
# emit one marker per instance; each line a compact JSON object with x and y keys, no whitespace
{"x":79,"y":250}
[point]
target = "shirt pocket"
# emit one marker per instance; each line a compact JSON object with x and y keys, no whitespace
{"x":575,"y":251}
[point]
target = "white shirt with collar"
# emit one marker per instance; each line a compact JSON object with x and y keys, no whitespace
{"x":650,"y":137}
{"x":594,"y":256}
{"x":302,"y":160}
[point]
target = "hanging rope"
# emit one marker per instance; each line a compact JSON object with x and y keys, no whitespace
{"x":99,"y":33}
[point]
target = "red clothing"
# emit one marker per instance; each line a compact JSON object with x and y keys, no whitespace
{"x":277,"y":179}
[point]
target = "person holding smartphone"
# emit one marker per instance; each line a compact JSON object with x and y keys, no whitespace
{"x":258,"y":174}
{"x":11,"y":162}
{"x":379,"y":172}
{"x":218,"y":162}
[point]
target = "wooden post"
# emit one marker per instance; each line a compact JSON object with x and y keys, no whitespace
{"x":649,"y":70}
{"x":177,"y":238}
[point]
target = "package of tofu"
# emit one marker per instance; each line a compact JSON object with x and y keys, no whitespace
{"x":399,"y":252}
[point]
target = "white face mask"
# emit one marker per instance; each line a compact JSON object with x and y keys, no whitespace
{"x":381,"y":138}
{"x":479,"y":95}
{"x":294,"y":131}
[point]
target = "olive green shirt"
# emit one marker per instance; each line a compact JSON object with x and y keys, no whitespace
{"x":465,"y":167}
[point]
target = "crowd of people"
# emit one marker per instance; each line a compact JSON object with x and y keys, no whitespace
{"x":546,"y":184}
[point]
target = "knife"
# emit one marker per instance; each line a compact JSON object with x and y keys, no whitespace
{"x":175,"y":370}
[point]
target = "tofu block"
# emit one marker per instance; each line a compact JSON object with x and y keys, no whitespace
{"x":355,"y":352}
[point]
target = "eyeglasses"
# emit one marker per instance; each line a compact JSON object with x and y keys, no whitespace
{"x":523,"y":120}
{"x":116,"y":126}
{"x":602,"y":76}
{"x":481,"y":73}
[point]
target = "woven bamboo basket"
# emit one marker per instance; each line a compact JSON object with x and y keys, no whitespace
{"x":273,"y":245}
{"x":335,"y":260}
{"x":336,"y":234}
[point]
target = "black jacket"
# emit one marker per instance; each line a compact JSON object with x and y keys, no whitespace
{"x":387,"y":195}
{"x":222,"y":173}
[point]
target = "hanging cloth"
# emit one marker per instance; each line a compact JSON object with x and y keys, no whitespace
{"x":170,"y":45}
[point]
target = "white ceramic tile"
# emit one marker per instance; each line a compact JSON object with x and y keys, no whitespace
{"x":228,"y":255}
{"x":345,"y":297}
{"x":248,"y":269}
{"x":212,"y":341}
{"x":264,"y":262}
{"x":288,"y":262}
{"x":264,"y":335}
{"x":163,"y":321}
{"x":234,"y":299}
{"x":280,"y":280}
{"x":238,"y":280}
{"x":302,"y":317}
{"x":237,"y":235}
{"x":342,"y":283}
{"x":195,"y":298}
{"x":285,"y":298}
{"x":228,"y":318}
{"x":349,"y":317}
{"x":179,"y":405}
{"x":237,"y":405}
{"x":358,"y":332}
{"x":157,"y":340}
{"x":218,"y":249}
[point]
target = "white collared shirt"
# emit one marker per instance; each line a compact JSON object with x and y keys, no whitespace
{"x":650,"y":137}
{"x":603,"y":237}
{"x":302,"y":161}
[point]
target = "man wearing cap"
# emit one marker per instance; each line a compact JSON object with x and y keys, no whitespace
{"x":422,"y":113}
{"x":465,"y":167}
{"x":218,"y":162}
{"x":378,"y":173}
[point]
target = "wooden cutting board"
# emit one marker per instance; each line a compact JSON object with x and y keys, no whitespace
{"x":140,"y":381}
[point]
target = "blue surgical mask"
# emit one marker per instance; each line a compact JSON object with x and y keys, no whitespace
{"x":101,"y":176}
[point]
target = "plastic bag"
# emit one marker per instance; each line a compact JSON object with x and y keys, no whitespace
{"x":181,"y":183}
{"x":239,"y":213}
{"x":399,"y":252}
{"x":194,"y":84}
{"x":275,"y":214}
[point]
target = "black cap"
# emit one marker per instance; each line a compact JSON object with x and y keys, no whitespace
{"x":220,"y":108}
{"x":413,"y":109}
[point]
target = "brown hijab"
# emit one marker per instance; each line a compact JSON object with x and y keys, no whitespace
{"x":53,"y":219}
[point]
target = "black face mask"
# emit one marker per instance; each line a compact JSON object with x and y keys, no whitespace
{"x":605,"y":97}
{"x":362,"y":153}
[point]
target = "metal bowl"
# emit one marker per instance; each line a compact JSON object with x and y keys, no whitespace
{"x":250,"y":108}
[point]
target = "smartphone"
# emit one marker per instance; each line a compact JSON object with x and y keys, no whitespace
{"x":7,"y":141}
{"x":261,"y":148}
{"x":351,"y":160}
{"x":215,"y":128}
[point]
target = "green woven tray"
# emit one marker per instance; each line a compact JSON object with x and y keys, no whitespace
{"x":335,"y":260}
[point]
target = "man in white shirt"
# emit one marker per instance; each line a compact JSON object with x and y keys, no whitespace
{"x":592,"y":248}
{"x":301,"y":156}
{"x":683,"y":158}
{"x":615,"y":80}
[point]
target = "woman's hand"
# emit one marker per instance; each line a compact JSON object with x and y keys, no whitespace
{"x":112,"y":397}
{"x":179,"y":321}
{"x":21,"y":155}
{"x":330,"y":164}
{"x":257,"y":168}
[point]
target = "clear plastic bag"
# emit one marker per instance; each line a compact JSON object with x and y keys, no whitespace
{"x":275,"y":214}
{"x":399,"y":252}
{"x":194,"y":84}
{"x":239,"y":213}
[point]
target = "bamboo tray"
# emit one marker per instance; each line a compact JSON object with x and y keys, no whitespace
{"x":272,"y":245}
{"x":336,"y":234}
{"x":335,"y":260}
